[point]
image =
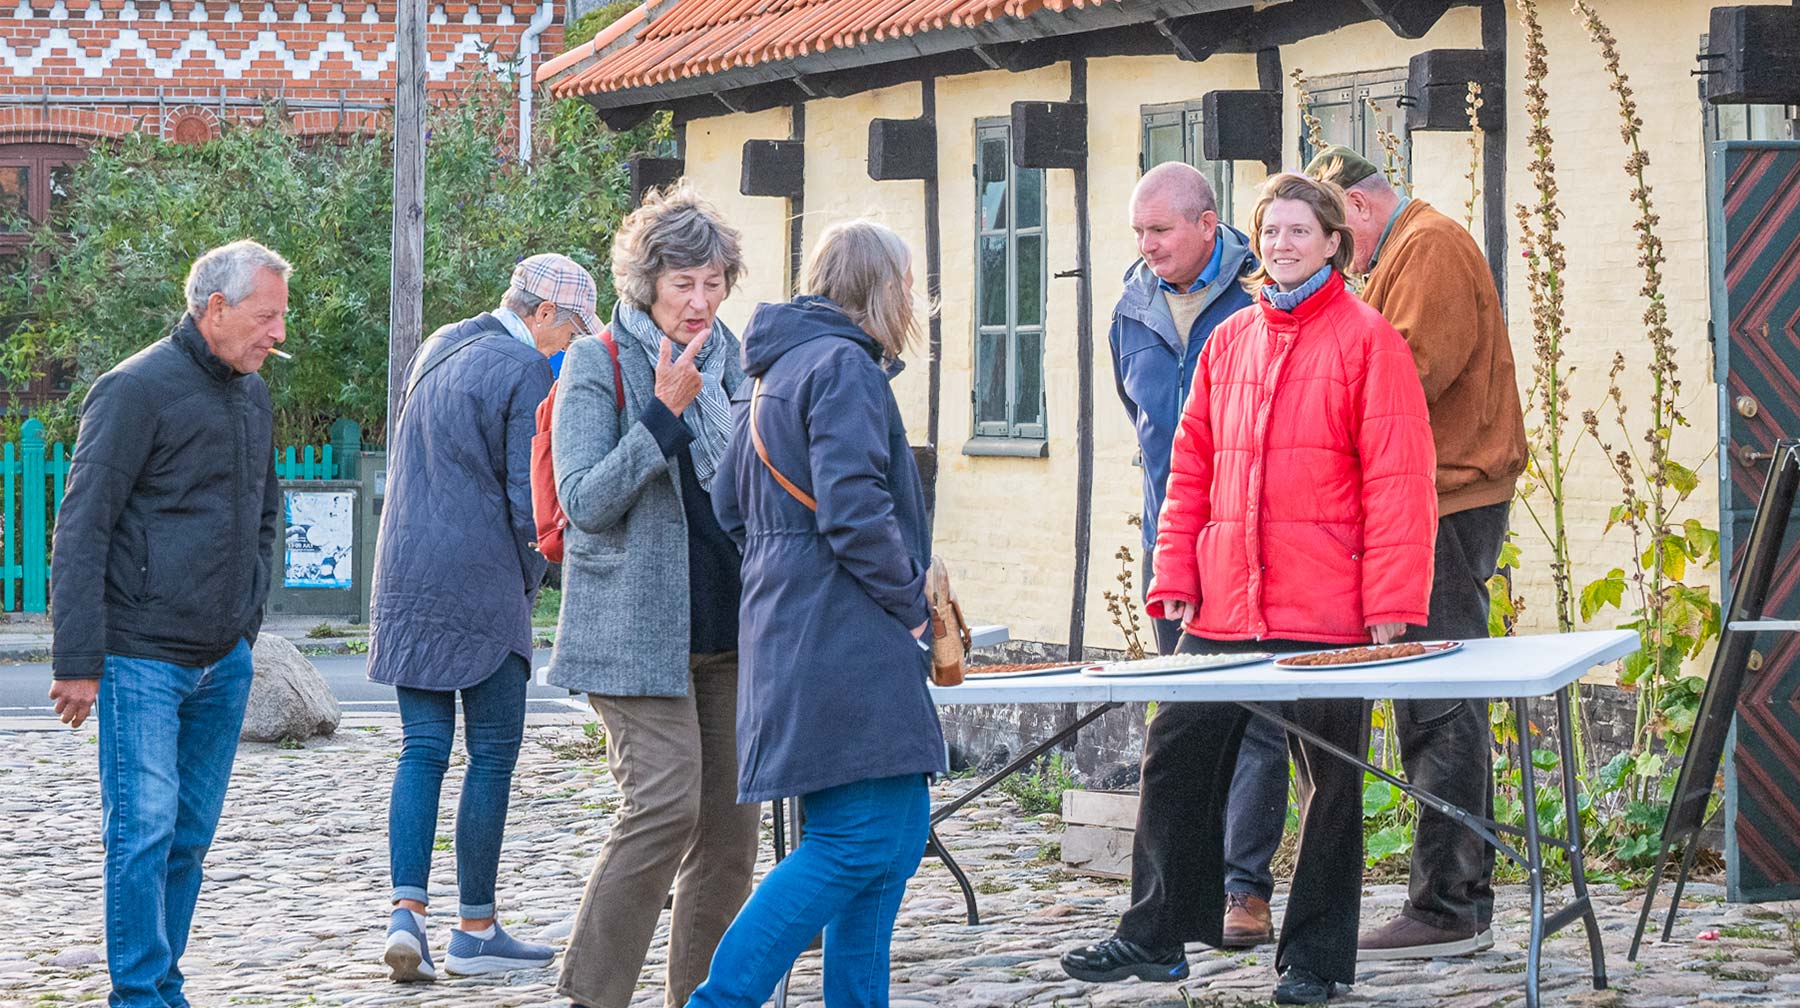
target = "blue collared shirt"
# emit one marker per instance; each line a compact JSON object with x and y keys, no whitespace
{"x":1207,"y":275}
{"x":515,"y":325}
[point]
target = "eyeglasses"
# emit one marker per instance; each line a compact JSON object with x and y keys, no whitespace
{"x":581,"y":328}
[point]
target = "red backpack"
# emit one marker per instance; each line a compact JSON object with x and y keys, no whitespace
{"x":546,"y":510}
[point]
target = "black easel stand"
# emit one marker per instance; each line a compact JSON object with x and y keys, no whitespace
{"x":1731,"y":666}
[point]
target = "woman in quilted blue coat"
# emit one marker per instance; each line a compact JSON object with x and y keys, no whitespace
{"x":455,"y":578}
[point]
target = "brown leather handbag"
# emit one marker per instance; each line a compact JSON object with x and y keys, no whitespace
{"x":950,"y":639}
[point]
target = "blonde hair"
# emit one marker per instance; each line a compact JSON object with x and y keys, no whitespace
{"x":1327,"y":203}
{"x":861,"y":266}
{"x":674,"y":229}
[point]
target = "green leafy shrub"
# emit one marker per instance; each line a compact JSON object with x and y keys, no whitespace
{"x":1039,"y":790}
{"x":107,"y":280}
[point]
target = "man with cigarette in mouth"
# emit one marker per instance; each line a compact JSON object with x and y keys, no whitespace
{"x":161,"y":567}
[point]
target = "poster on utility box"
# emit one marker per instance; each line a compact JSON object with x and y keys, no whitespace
{"x":320,"y":536}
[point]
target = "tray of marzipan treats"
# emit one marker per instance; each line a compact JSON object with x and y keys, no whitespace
{"x":990,"y":672}
{"x":1367,"y":655}
{"x":1173,"y":664}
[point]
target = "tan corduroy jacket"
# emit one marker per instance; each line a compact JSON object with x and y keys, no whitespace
{"x":1431,"y":282}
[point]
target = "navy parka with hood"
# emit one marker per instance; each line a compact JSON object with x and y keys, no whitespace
{"x":832,"y":686}
{"x":1150,"y":369}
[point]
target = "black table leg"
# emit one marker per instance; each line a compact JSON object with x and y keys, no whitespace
{"x":935,"y":846}
{"x":1577,"y":867}
{"x":1534,"y":854}
{"x":1529,"y":852}
{"x":950,"y":808}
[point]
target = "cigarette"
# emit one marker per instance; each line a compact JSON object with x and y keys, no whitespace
{"x":283,"y":354}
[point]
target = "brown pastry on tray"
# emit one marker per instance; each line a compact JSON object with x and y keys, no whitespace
{"x":981,"y":670}
{"x":1357,"y":655}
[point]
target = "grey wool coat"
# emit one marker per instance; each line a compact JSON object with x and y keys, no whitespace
{"x":623,"y":629}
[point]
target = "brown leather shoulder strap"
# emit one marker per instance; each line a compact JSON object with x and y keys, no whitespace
{"x":762,"y":452}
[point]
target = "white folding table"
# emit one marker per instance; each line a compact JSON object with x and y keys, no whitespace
{"x":1515,"y":668}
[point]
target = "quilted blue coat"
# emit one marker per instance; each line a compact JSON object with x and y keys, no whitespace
{"x":455,"y":571}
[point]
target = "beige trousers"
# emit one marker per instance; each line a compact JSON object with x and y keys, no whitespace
{"x":675,"y":759}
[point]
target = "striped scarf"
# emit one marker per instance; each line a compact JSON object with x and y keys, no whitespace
{"x":1287,"y":301}
{"x":710,"y":416}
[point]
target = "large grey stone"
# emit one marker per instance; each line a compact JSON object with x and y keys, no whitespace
{"x":289,"y":699}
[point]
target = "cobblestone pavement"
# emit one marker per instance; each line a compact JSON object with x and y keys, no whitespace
{"x":294,"y":908}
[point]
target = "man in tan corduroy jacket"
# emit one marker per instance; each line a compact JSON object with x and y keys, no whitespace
{"x":1428,"y":278}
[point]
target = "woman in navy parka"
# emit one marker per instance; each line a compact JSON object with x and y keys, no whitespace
{"x":832,"y":698}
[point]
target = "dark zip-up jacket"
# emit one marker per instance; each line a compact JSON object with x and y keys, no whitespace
{"x":166,"y":535}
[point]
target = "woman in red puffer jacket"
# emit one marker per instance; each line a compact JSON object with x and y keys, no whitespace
{"x":1300,"y":511}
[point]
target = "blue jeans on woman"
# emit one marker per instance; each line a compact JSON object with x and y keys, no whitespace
{"x":846,"y":878}
{"x":493,"y":727}
{"x":168,"y":736}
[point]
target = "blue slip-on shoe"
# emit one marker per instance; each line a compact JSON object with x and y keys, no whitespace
{"x":408,"y":956}
{"x":470,"y":956}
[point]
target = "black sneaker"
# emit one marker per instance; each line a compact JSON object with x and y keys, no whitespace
{"x":1115,"y":959}
{"x":1303,"y":987}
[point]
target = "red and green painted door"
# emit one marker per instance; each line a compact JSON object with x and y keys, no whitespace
{"x":1756,"y":325}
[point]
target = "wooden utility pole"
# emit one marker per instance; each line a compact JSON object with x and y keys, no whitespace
{"x":406,"y":299}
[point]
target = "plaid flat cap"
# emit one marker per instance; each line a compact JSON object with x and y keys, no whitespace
{"x":561,"y":281}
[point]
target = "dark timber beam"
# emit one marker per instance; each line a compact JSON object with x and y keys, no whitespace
{"x":1409,"y":19}
{"x":934,"y":288}
{"x":647,"y":173}
{"x":1494,"y":22}
{"x":1268,"y":69}
{"x":1189,"y":36}
{"x":1240,"y":30}
{"x":621,"y":119}
{"x":1084,"y":372}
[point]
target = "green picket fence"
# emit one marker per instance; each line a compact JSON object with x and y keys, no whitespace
{"x":32,"y":475}
{"x":31,"y":489}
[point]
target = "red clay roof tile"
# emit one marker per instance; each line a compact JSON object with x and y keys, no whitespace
{"x":693,"y":38}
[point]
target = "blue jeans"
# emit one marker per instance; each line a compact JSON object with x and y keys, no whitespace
{"x":493,"y":726}
{"x":168,"y":735}
{"x":863,"y":841}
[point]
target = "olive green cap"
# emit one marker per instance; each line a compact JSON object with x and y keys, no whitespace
{"x":1341,"y":166}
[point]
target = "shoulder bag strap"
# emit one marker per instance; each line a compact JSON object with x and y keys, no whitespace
{"x":762,"y":452}
{"x":612,"y":348}
{"x":430,"y":365}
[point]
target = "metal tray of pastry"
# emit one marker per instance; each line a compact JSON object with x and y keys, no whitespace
{"x":1434,"y":649}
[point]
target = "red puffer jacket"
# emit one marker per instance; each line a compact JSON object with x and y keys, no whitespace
{"x":1301,"y":502}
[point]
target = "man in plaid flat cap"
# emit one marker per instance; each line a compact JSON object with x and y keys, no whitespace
{"x":455,"y":578}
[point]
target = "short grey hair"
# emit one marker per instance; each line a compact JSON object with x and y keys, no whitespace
{"x":674,"y":229}
{"x":231,"y":270}
{"x":520,"y":303}
{"x":1188,"y":191}
{"x":524,"y":304}
{"x":1375,"y":185}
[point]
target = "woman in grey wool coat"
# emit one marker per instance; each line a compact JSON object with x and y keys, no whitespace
{"x":649,"y":622}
